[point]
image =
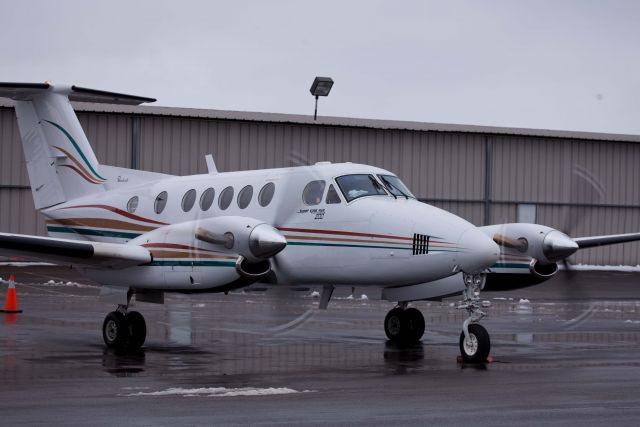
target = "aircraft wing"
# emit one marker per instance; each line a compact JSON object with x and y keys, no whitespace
{"x":589,"y":242}
{"x":66,"y":251}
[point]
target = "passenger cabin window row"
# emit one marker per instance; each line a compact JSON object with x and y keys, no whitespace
{"x":265,"y":196}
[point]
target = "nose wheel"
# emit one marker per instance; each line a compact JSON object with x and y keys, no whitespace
{"x":476,"y":347}
{"x":122,"y":329}
{"x":475,"y":344}
{"x":404,"y":326}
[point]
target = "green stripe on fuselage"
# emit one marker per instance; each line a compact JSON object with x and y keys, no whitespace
{"x":92,"y":232}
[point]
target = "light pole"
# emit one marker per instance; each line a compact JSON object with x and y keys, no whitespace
{"x":321,"y":87}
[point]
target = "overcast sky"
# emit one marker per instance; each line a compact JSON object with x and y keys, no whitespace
{"x":571,"y":65}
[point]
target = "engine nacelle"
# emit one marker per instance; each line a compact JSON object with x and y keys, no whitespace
{"x":534,"y":241}
{"x":214,"y":254}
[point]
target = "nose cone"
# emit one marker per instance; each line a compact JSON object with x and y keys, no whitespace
{"x":557,"y":246}
{"x":477,"y":251}
{"x":265,"y":241}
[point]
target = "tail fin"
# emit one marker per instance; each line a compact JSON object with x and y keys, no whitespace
{"x":60,"y":162}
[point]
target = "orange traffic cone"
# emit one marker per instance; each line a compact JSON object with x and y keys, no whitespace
{"x":11,"y":302}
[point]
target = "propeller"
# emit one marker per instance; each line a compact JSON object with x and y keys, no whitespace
{"x":585,"y":188}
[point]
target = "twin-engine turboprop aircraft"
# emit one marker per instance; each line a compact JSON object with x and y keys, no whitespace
{"x":142,"y":233}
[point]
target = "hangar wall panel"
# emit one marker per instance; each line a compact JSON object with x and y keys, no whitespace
{"x":590,"y":184}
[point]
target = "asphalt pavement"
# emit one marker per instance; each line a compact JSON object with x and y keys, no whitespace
{"x":564,"y":353}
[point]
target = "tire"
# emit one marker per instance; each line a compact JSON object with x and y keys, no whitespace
{"x":137,"y":329}
{"x":477,"y":350}
{"x":404,"y":327}
{"x":115,"y":330}
{"x":393,"y":324}
{"x":415,"y":324}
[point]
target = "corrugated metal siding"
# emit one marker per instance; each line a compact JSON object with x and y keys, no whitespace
{"x":110,"y":137}
{"x":447,"y":169}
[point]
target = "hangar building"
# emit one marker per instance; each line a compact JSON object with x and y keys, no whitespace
{"x":581,"y":183}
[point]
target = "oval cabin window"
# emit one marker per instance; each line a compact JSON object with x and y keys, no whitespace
{"x":312,"y":193}
{"x":188,"y":200}
{"x":132,"y":204}
{"x":266,"y":194}
{"x":161,"y":202}
{"x":244,"y":196}
{"x":225,"y":198}
{"x":206,"y":200}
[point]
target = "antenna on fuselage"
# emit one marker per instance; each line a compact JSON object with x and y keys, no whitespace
{"x":211,"y":165}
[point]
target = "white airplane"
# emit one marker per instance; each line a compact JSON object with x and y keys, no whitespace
{"x":142,"y":233}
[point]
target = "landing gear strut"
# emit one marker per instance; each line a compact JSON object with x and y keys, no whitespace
{"x":475,"y":344}
{"x":404,"y":326}
{"x":124,"y":329}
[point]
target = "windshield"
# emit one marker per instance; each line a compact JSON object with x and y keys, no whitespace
{"x":354,"y":186}
{"x":395,"y":186}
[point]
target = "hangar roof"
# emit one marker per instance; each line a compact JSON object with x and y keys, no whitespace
{"x":337,"y":121}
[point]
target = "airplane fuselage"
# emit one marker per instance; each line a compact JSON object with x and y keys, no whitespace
{"x":373,"y":239}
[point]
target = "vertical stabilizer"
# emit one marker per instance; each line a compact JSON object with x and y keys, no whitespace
{"x":60,"y":162}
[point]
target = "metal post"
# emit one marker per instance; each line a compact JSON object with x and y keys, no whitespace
{"x":315,"y":113}
{"x":487,"y":179}
{"x":135,"y":142}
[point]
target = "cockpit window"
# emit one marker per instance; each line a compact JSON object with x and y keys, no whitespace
{"x":312,"y":194}
{"x":395,"y":186}
{"x":332,"y":196}
{"x":354,"y":186}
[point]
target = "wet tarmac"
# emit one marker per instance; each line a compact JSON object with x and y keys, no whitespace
{"x":567,"y":356}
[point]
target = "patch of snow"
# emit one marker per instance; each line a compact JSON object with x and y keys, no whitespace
{"x":500,"y":298}
{"x":61,"y":283}
{"x":363,"y":297}
{"x":590,"y":267}
{"x":523,"y":301}
{"x":452,"y":304}
{"x":315,"y":294}
{"x":632,"y":321}
{"x":486,"y":303}
{"x":23,"y":264}
{"x":218,"y":392}
{"x":198,"y":305}
{"x":350,"y":296}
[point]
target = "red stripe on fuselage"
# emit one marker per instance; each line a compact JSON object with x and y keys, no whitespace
{"x":343,"y":233}
{"x":119,"y":212}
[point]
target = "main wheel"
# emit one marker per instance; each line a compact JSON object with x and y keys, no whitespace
{"x":137,"y":329}
{"x":115,"y":331}
{"x":393,"y":323}
{"x":415,"y":324}
{"x":475,"y":349}
{"x":404,"y":327}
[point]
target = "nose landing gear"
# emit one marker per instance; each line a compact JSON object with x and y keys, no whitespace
{"x":404,"y":326}
{"x":475,"y":344}
{"x":122,"y":329}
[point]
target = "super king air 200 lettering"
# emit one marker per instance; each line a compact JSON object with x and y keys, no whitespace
{"x":142,"y":233}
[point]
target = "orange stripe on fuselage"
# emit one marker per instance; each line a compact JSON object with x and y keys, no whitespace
{"x":100,"y":223}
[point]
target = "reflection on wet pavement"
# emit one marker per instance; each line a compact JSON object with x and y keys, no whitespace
{"x":253,"y":345}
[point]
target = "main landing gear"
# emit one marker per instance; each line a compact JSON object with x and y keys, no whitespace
{"x":475,"y":344}
{"x":122,"y":329}
{"x":404,"y":326}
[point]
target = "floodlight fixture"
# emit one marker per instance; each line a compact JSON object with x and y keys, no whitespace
{"x":321,"y":87}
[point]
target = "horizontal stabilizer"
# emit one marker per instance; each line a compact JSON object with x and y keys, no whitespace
{"x":26,"y":91}
{"x":73,"y":251}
